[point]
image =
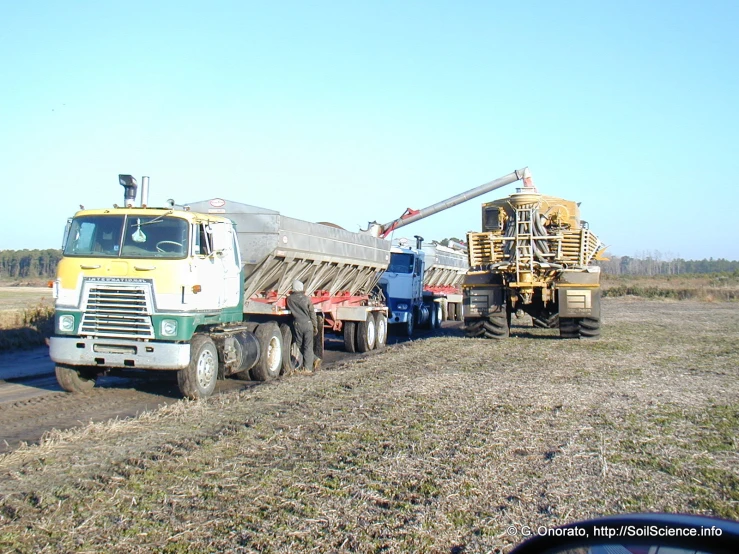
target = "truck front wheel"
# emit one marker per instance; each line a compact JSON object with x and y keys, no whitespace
{"x":75,"y":380}
{"x":198,"y":379}
{"x":410,"y":325}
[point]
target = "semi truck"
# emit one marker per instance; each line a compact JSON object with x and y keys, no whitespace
{"x":535,"y":256}
{"x":201,"y":288}
{"x":422,"y":284}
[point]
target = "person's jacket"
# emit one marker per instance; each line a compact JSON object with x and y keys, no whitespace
{"x":302,"y":309}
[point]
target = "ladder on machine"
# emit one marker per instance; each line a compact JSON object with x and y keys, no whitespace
{"x":524,"y":240}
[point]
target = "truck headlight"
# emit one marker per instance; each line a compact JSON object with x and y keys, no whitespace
{"x":402,"y":306}
{"x":168,"y":327}
{"x":66,"y":323}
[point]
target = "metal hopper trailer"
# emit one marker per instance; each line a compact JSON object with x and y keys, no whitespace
{"x":340,"y":270}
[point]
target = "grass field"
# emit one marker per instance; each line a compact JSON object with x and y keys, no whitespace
{"x":26,"y":316}
{"x":433,"y":446}
{"x":706,"y":287}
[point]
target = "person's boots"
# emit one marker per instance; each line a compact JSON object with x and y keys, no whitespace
{"x":316,"y":364}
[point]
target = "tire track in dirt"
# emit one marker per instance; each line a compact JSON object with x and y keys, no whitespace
{"x":32,"y":407}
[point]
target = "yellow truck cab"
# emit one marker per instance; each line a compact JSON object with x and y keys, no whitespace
{"x":135,"y":286}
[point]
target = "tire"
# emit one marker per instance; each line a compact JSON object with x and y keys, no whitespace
{"x":545,"y":321}
{"x":473,"y":328}
{"x":292,"y":359}
{"x":410,"y":325}
{"x":590,"y":328}
{"x":318,"y":340}
{"x":198,"y":379}
{"x":350,"y":336}
{"x":433,"y":317}
{"x":270,"y":347}
{"x":439,"y":316}
{"x":75,"y":380}
{"x":455,"y":311}
{"x":366,"y":334}
{"x":496,"y":326}
{"x":569,"y":328}
{"x":380,"y":330}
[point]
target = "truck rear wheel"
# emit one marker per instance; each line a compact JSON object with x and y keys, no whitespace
{"x":590,"y":328}
{"x":496,"y":326}
{"x":366,"y":334}
{"x":318,"y":339}
{"x":75,"y":380}
{"x":270,"y":345}
{"x":380,"y":330}
{"x":350,"y":336}
{"x":292,"y":359}
{"x":433,"y":317}
{"x":198,"y":379}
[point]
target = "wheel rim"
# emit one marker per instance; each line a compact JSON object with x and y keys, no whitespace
{"x":381,"y":331}
{"x":370,"y":332}
{"x":274,"y":355}
{"x":296,"y":358}
{"x":206,"y":368}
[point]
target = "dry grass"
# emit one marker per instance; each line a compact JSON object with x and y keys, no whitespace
{"x":433,"y":446}
{"x":715,"y":287}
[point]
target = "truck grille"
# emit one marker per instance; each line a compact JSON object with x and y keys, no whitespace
{"x":117,"y":311}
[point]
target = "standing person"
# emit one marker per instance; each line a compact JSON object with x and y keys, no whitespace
{"x":305,"y":324}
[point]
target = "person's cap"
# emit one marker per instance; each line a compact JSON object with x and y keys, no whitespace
{"x":298,"y":285}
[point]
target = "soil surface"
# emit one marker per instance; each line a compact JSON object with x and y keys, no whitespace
{"x":32,"y":403}
{"x":439,"y":445}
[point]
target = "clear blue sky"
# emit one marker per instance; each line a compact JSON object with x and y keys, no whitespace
{"x":348,"y":112}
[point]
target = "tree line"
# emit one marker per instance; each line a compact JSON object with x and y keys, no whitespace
{"x":29,"y":264}
{"x":655,"y":263}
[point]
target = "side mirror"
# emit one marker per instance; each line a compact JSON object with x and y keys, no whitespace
{"x":636,"y":534}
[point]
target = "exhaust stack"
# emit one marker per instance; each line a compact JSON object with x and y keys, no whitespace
{"x":129,"y":185}
{"x":144,"y":192}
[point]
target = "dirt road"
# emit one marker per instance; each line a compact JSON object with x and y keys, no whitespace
{"x":32,"y":403}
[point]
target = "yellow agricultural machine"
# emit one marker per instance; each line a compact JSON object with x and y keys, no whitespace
{"x":534,"y":255}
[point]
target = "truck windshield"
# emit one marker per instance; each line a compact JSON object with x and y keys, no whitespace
{"x":118,"y":235}
{"x":400,"y":263}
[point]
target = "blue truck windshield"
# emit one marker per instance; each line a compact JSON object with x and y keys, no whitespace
{"x":118,"y":235}
{"x":401,"y":263}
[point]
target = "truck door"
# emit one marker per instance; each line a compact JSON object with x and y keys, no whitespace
{"x":418,"y":279}
{"x":226,"y":249}
{"x":207,"y":270}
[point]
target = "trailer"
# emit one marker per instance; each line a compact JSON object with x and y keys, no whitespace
{"x":340,"y":270}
